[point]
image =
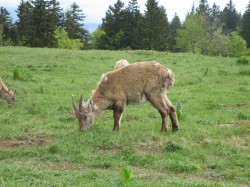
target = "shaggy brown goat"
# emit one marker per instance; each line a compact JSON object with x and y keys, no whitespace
{"x":132,"y":84}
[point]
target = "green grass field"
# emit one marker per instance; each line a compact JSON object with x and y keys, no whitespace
{"x":40,"y":144}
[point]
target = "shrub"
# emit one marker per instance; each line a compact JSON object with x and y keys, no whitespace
{"x":219,"y":44}
{"x":237,"y":45}
{"x":64,"y":42}
{"x":242,"y":61}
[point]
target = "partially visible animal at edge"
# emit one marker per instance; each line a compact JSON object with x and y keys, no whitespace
{"x":5,"y":93}
{"x":120,"y":64}
{"x":135,"y":83}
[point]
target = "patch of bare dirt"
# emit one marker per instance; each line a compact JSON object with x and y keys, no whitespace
{"x":23,"y":142}
{"x":143,"y":148}
{"x":131,"y":118}
{"x":237,"y":105}
{"x":236,"y":123}
{"x":112,"y":150}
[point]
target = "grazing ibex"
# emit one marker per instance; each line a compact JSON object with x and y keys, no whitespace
{"x":5,"y":93}
{"x":132,"y":84}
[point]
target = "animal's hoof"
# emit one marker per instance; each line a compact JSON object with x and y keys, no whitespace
{"x":175,"y":129}
{"x":164,"y":129}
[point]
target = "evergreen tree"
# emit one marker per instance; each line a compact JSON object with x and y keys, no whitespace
{"x":245,"y":28}
{"x":37,"y":22}
{"x":56,"y":15}
{"x":230,"y":18}
{"x":203,"y":8}
{"x":6,"y":26}
{"x":23,"y":24}
{"x":74,"y":23}
{"x":204,"y":11}
{"x":215,"y":17}
{"x":192,"y":12}
{"x":133,"y":28}
{"x":156,"y":26}
{"x":114,"y":26}
{"x":173,"y":27}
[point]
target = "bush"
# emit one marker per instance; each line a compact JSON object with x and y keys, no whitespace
{"x":219,"y":44}
{"x":237,"y":45}
{"x":64,"y":42}
{"x":242,"y":61}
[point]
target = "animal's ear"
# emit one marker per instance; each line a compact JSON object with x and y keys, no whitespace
{"x":74,"y":105}
{"x":90,"y":105}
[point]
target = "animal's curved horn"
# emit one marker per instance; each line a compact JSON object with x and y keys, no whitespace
{"x":81,"y":104}
{"x":74,"y":105}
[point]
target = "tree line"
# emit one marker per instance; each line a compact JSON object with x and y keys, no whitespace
{"x":205,"y":30}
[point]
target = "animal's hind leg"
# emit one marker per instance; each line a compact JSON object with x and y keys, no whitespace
{"x":158,"y":101}
{"x":172,"y":114}
{"x":117,"y":114}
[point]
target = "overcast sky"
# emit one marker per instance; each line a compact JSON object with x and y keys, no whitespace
{"x":95,"y":9}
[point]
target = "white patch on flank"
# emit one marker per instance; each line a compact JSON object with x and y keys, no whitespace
{"x":104,"y":78}
{"x":96,"y":107}
{"x":136,"y":98}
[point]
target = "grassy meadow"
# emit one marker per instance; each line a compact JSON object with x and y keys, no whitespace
{"x":40,"y":144}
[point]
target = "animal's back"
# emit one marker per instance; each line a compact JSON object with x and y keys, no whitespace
{"x":134,"y":81}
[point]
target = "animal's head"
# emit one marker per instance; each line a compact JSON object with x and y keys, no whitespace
{"x":84,"y":114}
{"x":8,"y":95}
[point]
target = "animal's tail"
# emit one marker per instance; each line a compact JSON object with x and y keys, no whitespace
{"x":171,"y":78}
{"x":168,"y":78}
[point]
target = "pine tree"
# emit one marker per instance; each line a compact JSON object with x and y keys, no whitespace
{"x":156,"y":26}
{"x":74,"y":23}
{"x":37,"y":22}
{"x":203,"y":8}
{"x":133,"y":29}
{"x":23,"y":24}
{"x":245,"y":29}
{"x":204,"y":11}
{"x":173,"y":27}
{"x":6,"y":26}
{"x":114,"y":26}
{"x":215,"y":17}
{"x":230,"y":18}
{"x":56,"y":15}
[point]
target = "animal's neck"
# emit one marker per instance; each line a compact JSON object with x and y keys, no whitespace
{"x":99,"y":103}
